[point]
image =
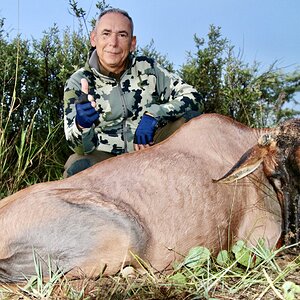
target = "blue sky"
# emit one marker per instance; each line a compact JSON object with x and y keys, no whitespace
{"x":263,"y":30}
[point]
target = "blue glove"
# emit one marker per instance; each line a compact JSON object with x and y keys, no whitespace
{"x":86,"y":114}
{"x":145,"y":131}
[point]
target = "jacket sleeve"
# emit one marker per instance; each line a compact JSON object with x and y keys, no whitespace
{"x":175,"y":96}
{"x":81,"y":141}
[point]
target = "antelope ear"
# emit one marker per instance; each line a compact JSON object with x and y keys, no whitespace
{"x":247,"y":164}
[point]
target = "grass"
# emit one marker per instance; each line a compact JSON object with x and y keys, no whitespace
{"x":30,"y":151}
{"x":276,"y":276}
{"x":24,"y":160}
{"x":27,"y":156}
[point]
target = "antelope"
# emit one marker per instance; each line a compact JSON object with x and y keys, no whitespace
{"x":157,"y":203}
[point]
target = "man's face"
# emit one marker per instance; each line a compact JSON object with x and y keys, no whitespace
{"x":113,"y":41}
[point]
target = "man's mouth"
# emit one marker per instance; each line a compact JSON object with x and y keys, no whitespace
{"x":113,"y":53}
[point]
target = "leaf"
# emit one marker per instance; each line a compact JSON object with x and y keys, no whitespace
{"x":290,"y":289}
{"x":178,"y":278}
{"x":244,"y":255}
{"x":196,"y":257}
{"x":238,"y":246}
{"x":223,"y":258}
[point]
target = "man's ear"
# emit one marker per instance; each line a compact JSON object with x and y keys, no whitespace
{"x":133,"y":44}
{"x":92,"y":38}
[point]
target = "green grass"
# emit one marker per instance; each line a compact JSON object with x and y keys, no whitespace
{"x":28,"y":154}
{"x":198,"y":276}
{"x":25,"y":160}
{"x":31,"y":151}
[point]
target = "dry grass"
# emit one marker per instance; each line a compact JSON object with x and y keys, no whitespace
{"x":275,"y":277}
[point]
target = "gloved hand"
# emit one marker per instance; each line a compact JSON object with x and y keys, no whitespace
{"x":86,"y":114}
{"x":145,"y":131}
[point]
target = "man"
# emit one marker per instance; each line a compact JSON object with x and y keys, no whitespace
{"x":118,"y":102}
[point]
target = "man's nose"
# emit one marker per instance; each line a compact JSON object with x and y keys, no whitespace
{"x":113,"y":39}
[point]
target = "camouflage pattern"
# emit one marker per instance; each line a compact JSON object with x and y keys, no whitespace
{"x":144,"y":86}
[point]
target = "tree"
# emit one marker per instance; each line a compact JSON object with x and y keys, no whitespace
{"x":150,"y":51}
{"x":234,"y":88}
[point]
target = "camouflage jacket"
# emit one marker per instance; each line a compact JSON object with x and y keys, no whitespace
{"x":144,"y":86}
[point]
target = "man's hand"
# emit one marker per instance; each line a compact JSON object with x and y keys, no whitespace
{"x":86,"y":113}
{"x":144,"y":133}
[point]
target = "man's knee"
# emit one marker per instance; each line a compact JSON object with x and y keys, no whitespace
{"x":77,"y":163}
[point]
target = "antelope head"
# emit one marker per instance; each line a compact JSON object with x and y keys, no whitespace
{"x":278,"y":151}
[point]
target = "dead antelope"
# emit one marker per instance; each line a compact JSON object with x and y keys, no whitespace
{"x":157,"y":203}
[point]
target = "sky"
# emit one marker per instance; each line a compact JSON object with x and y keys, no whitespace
{"x":262,"y":30}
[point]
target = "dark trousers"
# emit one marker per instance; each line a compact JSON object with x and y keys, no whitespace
{"x":77,"y":162}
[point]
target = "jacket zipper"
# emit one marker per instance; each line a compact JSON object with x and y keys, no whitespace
{"x":125,"y":115}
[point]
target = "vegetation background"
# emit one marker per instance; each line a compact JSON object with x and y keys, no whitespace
{"x":33,"y":73}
